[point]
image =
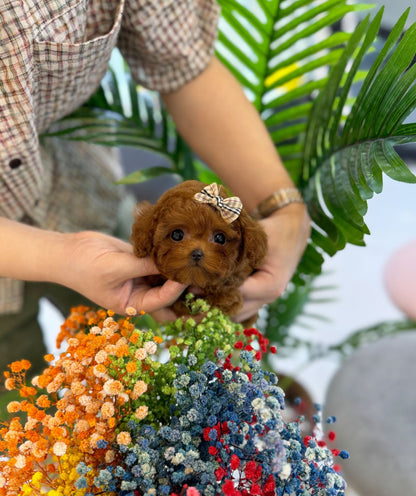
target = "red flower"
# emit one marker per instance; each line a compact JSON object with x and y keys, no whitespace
{"x":250,"y":470}
{"x":269,"y":486}
{"x":229,"y":489}
{"x":212,"y":450}
{"x":220,"y":473}
{"x":235,"y":462}
{"x":207,"y":430}
{"x":306,"y":440}
{"x":255,"y":489}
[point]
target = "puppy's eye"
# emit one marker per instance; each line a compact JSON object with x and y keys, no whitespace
{"x":219,"y":238}
{"x":177,"y":235}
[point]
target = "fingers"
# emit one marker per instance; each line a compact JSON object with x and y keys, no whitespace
{"x":259,"y":289}
{"x":129,"y":266}
{"x":156,"y":299}
{"x":262,"y":286}
{"x":164,"y":315}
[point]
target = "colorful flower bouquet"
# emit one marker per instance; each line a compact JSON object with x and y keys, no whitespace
{"x":136,"y":410}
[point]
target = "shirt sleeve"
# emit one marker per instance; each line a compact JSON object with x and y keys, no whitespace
{"x":169,"y":42}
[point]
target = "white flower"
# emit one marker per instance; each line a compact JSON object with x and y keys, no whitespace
{"x":310,"y":454}
{"x":150,"y":347}
{"x":258,"y":403}
{"x":285,"y":472}
{"x":59,"y":448}
{"x":178,"y":458}
{"x":20,"y":461}
{"x":101,"y":356}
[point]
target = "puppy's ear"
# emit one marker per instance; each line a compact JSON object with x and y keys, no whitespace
{"x":254,"y":241}
{"x":143,"y":229}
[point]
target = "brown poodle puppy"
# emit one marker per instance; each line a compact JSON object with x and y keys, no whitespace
{"x":198,"y":236}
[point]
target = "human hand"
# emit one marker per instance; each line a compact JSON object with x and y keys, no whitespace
{"x":104,"y":269}
{"x":288,"y":231}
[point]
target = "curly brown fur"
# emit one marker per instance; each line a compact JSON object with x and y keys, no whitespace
{"x":184,"y":238}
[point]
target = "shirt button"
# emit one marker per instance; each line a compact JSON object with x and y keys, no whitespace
{"x":15,"y":163}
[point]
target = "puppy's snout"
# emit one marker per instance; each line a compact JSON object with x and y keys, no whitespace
{"x":197,"y":255}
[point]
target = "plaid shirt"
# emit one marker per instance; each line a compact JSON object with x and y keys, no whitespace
{"x":53,"y":55}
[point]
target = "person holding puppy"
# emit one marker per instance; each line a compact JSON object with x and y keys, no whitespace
{"x":58,"y":201}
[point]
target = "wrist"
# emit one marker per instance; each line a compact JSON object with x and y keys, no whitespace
{"x":279,"y":199}
{"x":51,"y":258}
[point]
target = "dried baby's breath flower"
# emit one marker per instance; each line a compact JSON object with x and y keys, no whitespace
{"x":101,"y":356}
{"x":124,"y":438}
{"x":141,"y":412}
{"x":107,"y":410}
{"x":131,"y":311}
{"x":59,"y":448}
{"x":13,"y":407}
{"x":139,"y":388}
{"x":112,"y":387}
{"x":140,"y":354}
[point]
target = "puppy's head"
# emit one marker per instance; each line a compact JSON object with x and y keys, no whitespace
{"x":190,"y":242}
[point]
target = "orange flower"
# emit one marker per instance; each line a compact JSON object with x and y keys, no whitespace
{"x":77,"y":387}
{"x":27,"y":391}
{"x":122,"y":350}
{"x":10,"y":384}
{"x":139,"y":388}
{"x":44,"y":380}
{"x":141,"y":412}
{"x":58,"y":432}
{"x":13,"y":407}
{"x":123,"y":438}
{"x":43,"y":401}
{"x":101,"y":356}
{"x":99,"y":370}
{"x":49,"y":357}
{"x":157,"y":339}
{"x":112,"y":387}
{"x":131,"y":367}
{"x":25,"y":364}
{"x":16,"y":366}
{"x":107,"y":410}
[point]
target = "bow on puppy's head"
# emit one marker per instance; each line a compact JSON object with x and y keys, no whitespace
{"x":199,"y":236}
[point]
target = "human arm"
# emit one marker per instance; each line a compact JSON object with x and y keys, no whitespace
{"x":98,"y":266}
{"x":225,"y":130}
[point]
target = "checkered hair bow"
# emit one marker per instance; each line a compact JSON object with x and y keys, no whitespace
{"x":230,"y":208}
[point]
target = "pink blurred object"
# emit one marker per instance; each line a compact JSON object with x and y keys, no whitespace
{"x":400,"y":278}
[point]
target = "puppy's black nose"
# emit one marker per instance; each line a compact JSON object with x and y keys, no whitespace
{"x":197,"y":254}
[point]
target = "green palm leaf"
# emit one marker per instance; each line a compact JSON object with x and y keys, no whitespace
{"x":280,"y":52}
{"x":343,"y":165}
